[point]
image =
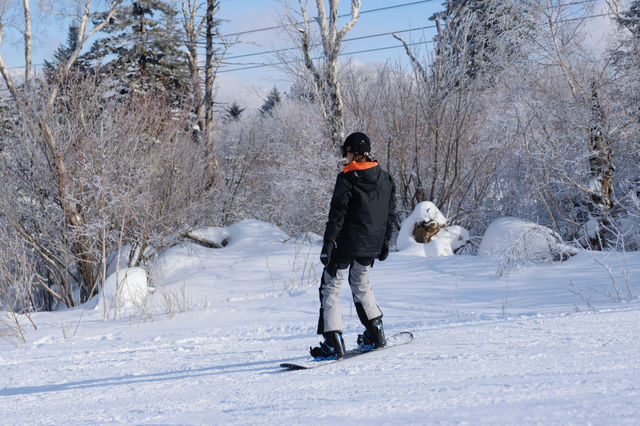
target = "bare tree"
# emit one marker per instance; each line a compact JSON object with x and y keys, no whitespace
{"x":324,"y":76}
{"x":194,"y":25}
{"x":212,"y":7}
{"x":572,"y":150}
{"x":52,"y":149}
{"x":452,"y":163}
{"x":133,"y":176}
{"x":27,"y":42}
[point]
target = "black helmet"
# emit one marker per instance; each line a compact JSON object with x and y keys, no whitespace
{"x":358,"y":143}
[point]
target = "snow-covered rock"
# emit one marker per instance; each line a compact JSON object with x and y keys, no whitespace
{"x":517,"y":241}
{"x":212,"y":236}
{"x":443,"y":243}
{"x":248,"y":231}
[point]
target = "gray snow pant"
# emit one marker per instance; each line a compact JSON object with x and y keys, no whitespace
{"x":357,"y":271}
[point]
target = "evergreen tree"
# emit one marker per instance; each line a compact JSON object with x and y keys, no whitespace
{"x":142,"y":49}
{"x":626,"y":59}
{"x":234,"y":111}
{"x":272,"y":100}
{"x":300,"y":92}
{"x":479,"y":36}
{"x":81,"y":66}
{"x":628,"y":56}
{"x":631,"y":19}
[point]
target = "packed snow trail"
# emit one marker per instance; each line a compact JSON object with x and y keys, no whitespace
{"x":553,"y":370}
{"x":547,"y":344}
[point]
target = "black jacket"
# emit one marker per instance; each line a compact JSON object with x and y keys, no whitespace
{"x":363,"y":210}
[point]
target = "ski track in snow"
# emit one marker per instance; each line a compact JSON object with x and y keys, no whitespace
{"x":548,"y":344}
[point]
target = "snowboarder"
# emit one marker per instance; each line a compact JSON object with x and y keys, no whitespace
{"x":361,"y":218}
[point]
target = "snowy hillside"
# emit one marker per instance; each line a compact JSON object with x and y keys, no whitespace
{"x":552,"y":343}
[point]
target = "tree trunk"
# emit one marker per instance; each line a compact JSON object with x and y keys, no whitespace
{"x":325,"y":80}
{"x":193,"y":32}
{"x":600,"y":170}
{"x":27,"y":43}
{"x":212,"y":6}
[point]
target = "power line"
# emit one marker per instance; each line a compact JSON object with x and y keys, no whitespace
{"x":376,"y":49}
{"x":358,"y":38}
{"x":339,"y":16}
{"x":380,"y":48}
{"x":297,"y":23}
{"x":275,"y":27}
{"x":345,"y":40}
{"x":575,"y":3}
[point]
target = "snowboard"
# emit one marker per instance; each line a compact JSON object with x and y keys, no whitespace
{"x":397,"y":339}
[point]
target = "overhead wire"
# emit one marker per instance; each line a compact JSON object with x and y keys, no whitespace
{"x":276,"y":51}
{"x":344,"y":40}
{"x":358,"y":38}
{"x":399,"y":46}
{"x":275,"y":27}
{"x":257,"y":30}
{"x":319,"y":57}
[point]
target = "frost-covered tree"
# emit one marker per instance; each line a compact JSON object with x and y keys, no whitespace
{"x":122,"y":173}
{"x":260,"y":173}
{"x":481,"y":37}
{"x":630,"y":19}
{"x":573,"y":129}
{"x":234,"y":111}
{"x":63,"y":53}
{"x":272,"y":100}
{"x":323,"y":73}
{"x":626,"y":56}
{"x":141,"y":49}
{"x":454,"y":156}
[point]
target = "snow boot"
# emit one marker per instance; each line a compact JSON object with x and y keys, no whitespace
{"x":332,"y":347}
{"x":373,"y":336}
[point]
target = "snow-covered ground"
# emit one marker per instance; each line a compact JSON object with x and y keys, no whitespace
{"x":542,"y":344}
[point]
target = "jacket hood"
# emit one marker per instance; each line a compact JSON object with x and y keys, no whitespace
{"x":363,"y":175}
{"x":354,"y":165}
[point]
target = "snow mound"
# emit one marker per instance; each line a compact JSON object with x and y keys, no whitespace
{"x":212,"y":236}
{"x":444,"y":243}
{"x":255,"y":232}
{"x":246,"y":232}
{"x":517,"y":241}
{"x":129,"y":286}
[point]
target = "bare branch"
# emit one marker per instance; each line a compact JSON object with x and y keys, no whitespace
{"x":5,"y":73}
{"x":83,"y":36}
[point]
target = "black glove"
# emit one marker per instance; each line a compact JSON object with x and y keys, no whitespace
{"x":384,"y":252}
{"x":325,"y":254}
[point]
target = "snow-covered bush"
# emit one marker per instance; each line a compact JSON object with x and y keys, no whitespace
{"x":102,"y":174}
{"x":277,"y":167}
{"x":445,"y":241}
{"x":125,"y":289}
{"x":515,"y":242}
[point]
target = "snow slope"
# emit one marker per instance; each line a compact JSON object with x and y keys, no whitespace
{"x":545,"y":344}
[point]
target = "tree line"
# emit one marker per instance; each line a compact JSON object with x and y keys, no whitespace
{"x":119,"y":149}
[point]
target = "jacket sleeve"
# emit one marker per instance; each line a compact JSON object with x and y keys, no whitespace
{"x":391,"y":219}
{"x":338,"y":209}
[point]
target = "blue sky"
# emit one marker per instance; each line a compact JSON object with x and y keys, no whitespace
{"x":243,"y":15}
{"x":410,"y":16}
{"x":246,"y":15}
